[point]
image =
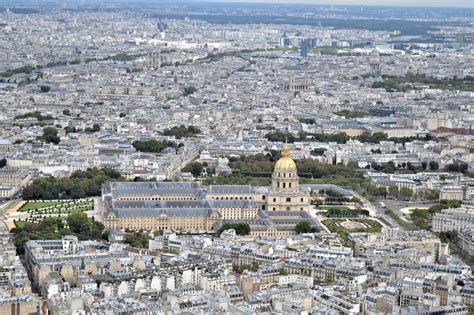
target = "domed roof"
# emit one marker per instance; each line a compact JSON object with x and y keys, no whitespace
{"x":285,"y":162}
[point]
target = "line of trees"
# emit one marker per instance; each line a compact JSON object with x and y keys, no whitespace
{"x":391,"y":168}
{"x":36,"y":115}
{"x":421,"y":217}
{"x":182,"y":131}
{"x":153,"y":146}
{"x":455,"y":83}
{"x":351,"y":114}
{"x":81,"y":184}
{"x":94,"y":128}
{"x":54,"y":228}
{"x":341,"y":138}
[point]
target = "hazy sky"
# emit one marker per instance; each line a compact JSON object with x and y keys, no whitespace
{"x":420,"y":3}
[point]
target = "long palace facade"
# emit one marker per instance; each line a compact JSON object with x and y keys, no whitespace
{"x":191,"y":207}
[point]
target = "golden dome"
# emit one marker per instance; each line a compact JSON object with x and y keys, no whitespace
{"x":285,"y":162}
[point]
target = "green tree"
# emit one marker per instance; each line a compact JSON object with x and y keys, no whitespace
{"x":97,"y":230}
{"x":80,"y":224}
{"x":81,"y":184}
{"x":152,"y":146}
{"x":45,"y":88}
{"x":406,"y":193}
{"x":182,"y":131}
{"x":303,"y":227}
{"x":457,"y":167}
{"x":434,"y":165}
{"x":189,"y":90}
{"x":393,"y":191}
{"x":137,"y":239}
{"x":67,"y":112}
{"x":432,"y":194}
{"x":318,"y":151}
{"x":53,"y":228}
{"x":122,"y":115}
{"x":95,"y":128}
{"x":50,"y":135}
{"x":195,"y":168}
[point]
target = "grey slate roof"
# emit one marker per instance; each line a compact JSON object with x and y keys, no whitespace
{"x":229,"y":189}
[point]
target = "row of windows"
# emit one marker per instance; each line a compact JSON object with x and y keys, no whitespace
{"x":284,"y":185}
{"x":288,"y":199}
{"x":284,"y":175}
{"x":287,"y":208}
{"x":157,"y":198}
{"x":232,"y":198}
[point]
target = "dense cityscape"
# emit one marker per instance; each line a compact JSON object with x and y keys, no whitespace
{"x":222,"y":158}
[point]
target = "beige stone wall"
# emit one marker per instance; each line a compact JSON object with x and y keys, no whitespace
{"x":230,"y":196}
{"x":90,"y":268}
{"x":285,"y":181}
{"x":21,"y":290}
{"x":451,"y":195}
{"x":10,"y":179}
{"x":238,"y":213}
{"x":288,"y":202}
{"x":134,"y":197}
{"x":67,"y":272}
{"x":23,"y":308}
{"x":41,"y":274}
{"x":272,"y":232}
{"x":162,"y":223}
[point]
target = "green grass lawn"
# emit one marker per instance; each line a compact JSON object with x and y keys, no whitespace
{"x":72,"y":210}
{"x":334,"y":226}
{"x":71,"y":207}
{"x":20,"y":223}
{"x":327,"y":207}
{"x":30,"y":205}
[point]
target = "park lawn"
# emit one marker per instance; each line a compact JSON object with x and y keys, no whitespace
{"x":334,"y":227}
{"x":72,"y":210}
{"x":38,"y":205}
{"x":20,"y":223}
{"x":327,"y":207}
{"x":32,"y":206}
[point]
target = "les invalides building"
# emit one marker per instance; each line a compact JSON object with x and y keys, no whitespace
{"x":190,"y":207}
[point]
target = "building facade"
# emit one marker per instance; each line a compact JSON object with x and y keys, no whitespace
{"x":453,"y":219}
{"x":188,"y":206}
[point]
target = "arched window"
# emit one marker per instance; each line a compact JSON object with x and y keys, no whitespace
{"x":288,"y":199}
{"x":284,"y":185}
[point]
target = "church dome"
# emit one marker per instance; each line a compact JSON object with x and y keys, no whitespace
{"x":285,"y":162}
